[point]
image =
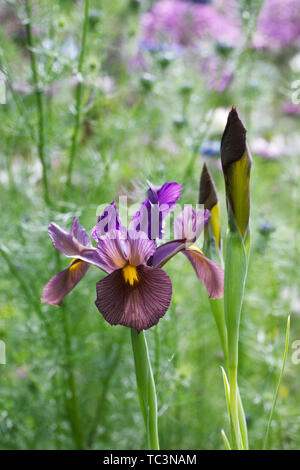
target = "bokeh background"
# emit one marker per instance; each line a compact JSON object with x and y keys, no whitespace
{"x":155,"y":85}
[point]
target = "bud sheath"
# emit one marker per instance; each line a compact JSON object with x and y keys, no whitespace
{"x":236,"y":164}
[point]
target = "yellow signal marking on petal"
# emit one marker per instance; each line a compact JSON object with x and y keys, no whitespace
{"x":215,"y":222}
{"x":76,"y":264}
{"x":195,"y":248}
{"x":130,"y":274}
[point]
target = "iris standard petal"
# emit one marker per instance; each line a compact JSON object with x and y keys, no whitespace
{"x":160,"y":201}
{"x":190,"y":223}
{"x":138,"y":306}
{"x":165,"y":252}
{"x":147,"y":219}
{"x":79,"y":233}
{"x":113,"y":250}
{"x":63,"y":241}
{"x":167,"y":196}
{"x":108,"y":220}
{"x":141,"y":248}
{"x":62,"y":283}
{"x":209,"y":272}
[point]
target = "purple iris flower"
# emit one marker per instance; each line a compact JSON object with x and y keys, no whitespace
{"x":136,"y":292}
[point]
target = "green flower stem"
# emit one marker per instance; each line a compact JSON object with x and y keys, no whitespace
{"x":39,"y":102}
{"x":242,"y":422}
{"x":236,"y":262}
{"x":145,"y":387}
{"x":78,"y":98}
{"x":217,"y":308}
{"x":233,"y":401}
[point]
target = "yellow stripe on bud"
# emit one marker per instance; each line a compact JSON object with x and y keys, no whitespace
{"x":238,"y":177}
{"x":130,"y":274}
{"x":215,"y":222}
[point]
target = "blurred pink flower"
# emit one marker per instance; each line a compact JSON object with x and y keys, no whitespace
{"x":219,"y":74}
{"x":174,"y":21}
{"x":270,"y":150}
{"x":21,"y":372}
{"x":278,"y":24}
{"x":291,"y":109}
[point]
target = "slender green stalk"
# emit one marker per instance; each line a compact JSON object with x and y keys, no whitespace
{"x":39,"y":101}
{"x":78,"y":96}
{"x":225,"y":439}
{"x":227,"y":396}
{"x":145,"y":387}
{"x":279,"y":382}
{"x":111,"y":370}
{"x":233,"y":400}
{"x":217,"y":308}
{"x":73,"y":400}
{"x":71,"y":397}
{"x":234,"y":285}
{"x":157,"y":354}
{"x":27,"y":292}
{"x":213,"y":249}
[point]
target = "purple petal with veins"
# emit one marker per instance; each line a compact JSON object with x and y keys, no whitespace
{"x":113,"y":250}
{"x":190,"y":223}
{"x":160,"y":201}
{"x":62,"y":283}
{"x":79,"y":233}
{"x":209,"y":272}
{"x":141,"y":248}
{"x":167,"y":196}
{"x":108,"y":220}
{"x":75,"y":244}
{"x":165,"y":252}
{"x":139,"y":306}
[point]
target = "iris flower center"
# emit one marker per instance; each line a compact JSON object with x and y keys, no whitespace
{"x":130,"y":274}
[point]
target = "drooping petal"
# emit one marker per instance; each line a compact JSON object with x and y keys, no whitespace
{"x":141,"y":248}
{"x":190,"y":223}
{"x":209,"y":272}
{"x":62,"y":283}
{"x":165,"y":252}
{"x":108,"y":220}
{"x":138,"y":306}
